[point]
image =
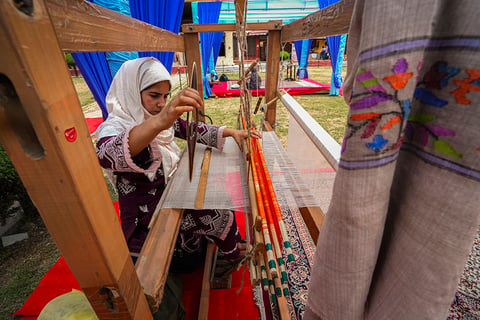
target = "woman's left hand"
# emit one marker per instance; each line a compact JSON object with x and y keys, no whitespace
{"x":240,"y":135}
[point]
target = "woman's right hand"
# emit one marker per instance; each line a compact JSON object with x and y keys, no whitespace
{"x":185,"y":101}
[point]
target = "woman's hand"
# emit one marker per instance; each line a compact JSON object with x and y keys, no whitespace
{"x":143,"y":134}
{"x":185,"y":101}
{"x":240,"y":135}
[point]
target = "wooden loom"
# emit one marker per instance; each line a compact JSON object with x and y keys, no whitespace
{"x":43,"y":130}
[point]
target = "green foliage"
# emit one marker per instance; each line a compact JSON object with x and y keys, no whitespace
{"x":284,"y":55}
{"x":69,"y":59}
{"x":12,"y":189}
{"x":71,"y":63}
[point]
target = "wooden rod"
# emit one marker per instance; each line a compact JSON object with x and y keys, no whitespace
{"x":259,"y":102}
{"x":202,"y":183}
{"x":222,"y":27}
{"x":273,"y":198}
{"x":272,"y":222}
{"x":205,"y":291}
{"x":250,"y":68}
{"x":154,"y":260}
{"x":273,"y":67}
{"x":261,"y":211}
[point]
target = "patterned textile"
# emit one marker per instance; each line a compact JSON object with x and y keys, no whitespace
{"x":138,"y":192}
{"x":467,"y":299}
{"x":216,"y":225}
{"x":404,"y":209}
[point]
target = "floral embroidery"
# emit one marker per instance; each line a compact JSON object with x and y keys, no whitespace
{"x":374,"y":125}
{"x":376,"y":93}
{"x":419,"y":125}
{"x":466,"y":85}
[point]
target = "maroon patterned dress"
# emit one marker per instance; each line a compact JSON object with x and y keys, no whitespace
{"x":138,"y":194}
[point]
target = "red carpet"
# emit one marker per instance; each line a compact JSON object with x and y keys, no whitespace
{"x":224,"y":303}
{"x":304,"y":86}
{"x":93,"y":124}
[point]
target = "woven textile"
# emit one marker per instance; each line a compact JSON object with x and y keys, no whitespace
{"x":404,"y":211}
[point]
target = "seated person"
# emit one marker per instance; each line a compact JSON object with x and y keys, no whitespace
{"x":136,"y":144}
{"x":212,"y":79}
{"x":254,"y":81}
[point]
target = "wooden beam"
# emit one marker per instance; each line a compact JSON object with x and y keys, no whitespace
{"x":328,"y":147}
{"x":313,"y":217}
{"x":330,"y":21}
{"x":205,"y":292}
{"x":192,"y":54}
{"x":43,"y":130}
{"x":154,"y":260}
{"x":83,"y":26}
{"x":222,"y":27}
{"x":273,"y":68}
{"x":240,"y":11}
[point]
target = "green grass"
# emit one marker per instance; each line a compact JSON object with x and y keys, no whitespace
{"x":23,"y":264}
{"x":84,"y":94}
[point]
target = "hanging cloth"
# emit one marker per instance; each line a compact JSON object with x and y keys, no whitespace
{"x":96,"y":72}
{"x":163,"y":14}
{"x":336,"y":48}
{"x":116,"y":59}
{"x":302,"y":48}
{"x":216,"y":43}
{"x":405,"y":206}
{"x":202,"y":13}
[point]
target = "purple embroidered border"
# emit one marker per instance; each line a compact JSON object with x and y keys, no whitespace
{"x":415,"y":44}
{"x":442,"y":163}
{"x":351,"y":165}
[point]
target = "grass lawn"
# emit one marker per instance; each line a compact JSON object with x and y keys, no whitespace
{"x":24,"y":264}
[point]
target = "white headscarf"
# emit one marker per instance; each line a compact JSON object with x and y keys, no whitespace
{"x":125,"y":109}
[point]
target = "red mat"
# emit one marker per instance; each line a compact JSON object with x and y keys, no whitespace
{"x":304,"y":86}
{"x":224,"y":303}
{"x":93,"y":124}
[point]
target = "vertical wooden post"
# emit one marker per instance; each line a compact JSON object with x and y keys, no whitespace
{"x":45,"y":135}
{"x":192,"y":54}
{"x":273,"y":67}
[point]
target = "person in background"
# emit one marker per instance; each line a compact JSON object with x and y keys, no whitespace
{"x":212,"y":79}
{"x":254,"y":81}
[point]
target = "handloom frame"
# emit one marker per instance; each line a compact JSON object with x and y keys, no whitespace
{"x":45,"y":135}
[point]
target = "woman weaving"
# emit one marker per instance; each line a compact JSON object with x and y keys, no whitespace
{"x":136,"y":143}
